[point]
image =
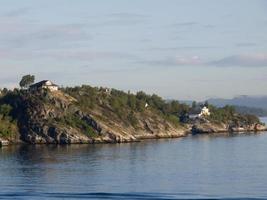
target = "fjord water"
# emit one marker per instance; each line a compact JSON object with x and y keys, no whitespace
{"x":203,"y":166}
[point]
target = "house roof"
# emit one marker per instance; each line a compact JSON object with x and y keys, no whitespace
{"x":41,"y":83}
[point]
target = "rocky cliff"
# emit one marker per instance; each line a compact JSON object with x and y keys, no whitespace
{"x":86,"y":115}
{"x":56,"y":118}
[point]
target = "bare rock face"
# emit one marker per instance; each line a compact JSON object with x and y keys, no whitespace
{"x":200,"y":128}
{"x":54,"y":118}
{"x":42,"y":120}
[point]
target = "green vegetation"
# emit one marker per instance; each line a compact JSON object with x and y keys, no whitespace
{"x":251,"y":110}
{"x":227,"y":114}
{"x":126,"y":106}
{"x":8,"y":129}
{"x":132,"y":119}
{"x":8,"y":126}
{"x":26,"y":81}
{"x":5,"y":110}
{"x":173,"y":119}
{"x":76,"y":122}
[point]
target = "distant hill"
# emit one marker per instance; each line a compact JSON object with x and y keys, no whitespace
{"x":248,"y":101}
{"x":260,"y":112}
{"x":256,"y":105}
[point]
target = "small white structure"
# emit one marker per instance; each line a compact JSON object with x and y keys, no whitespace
{"x":107,"y":90}
{"x":146,"y":105}
{"x":3,"y":142}
{"x":204,"y":112}
{"x":46,"y":84}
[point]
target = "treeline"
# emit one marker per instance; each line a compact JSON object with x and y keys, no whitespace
{"x":125,"y":105}
{"x":228,"y":114}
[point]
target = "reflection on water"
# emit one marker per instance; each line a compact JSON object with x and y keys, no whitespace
{"x":218,"y":166}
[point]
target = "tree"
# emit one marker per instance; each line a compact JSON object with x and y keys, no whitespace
{"x":141,"y":96}
{"x":132,"y":119}
{"x":194,"y":108}
{"x":4,"y":91}
{"x":157,"y":101}
{"x":131,"y":101}
{"x":194,"y":105}
{"x":26,"y":81}
{"x":5,"y":109}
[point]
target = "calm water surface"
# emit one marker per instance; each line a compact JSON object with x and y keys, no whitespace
{"x":192,"y":167}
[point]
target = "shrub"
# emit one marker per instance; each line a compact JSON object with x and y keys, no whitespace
{"x":7,"y":128}
{"x":76,"y":122}
{"x":132,"y":119}
{"x":5,"y":110}
{"x":174,"y":120}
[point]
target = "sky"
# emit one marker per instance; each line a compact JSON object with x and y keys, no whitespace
{"x":178,"y":49}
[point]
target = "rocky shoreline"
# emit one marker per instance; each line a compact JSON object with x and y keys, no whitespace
{"x":223,"y":128}
{"x":204,"y":128}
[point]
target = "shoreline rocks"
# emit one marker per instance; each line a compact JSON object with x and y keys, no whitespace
{"x":206,"y":128}
{"x":196,"y":129}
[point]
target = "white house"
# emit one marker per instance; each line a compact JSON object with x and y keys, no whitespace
{"x":46,"y":84}
{"x":204,"y":112}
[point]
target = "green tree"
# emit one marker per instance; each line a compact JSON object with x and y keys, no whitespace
{"x":131,"y":101}
{"x":132,"y":119}
{"x":157,"y":101}
{"x":5,"y":109}
{"x":140,"y":105}
{"x":141,"y":96}
{"x":26,"y":81}
{"x":4,"y":91}
{"x":194,"y":105}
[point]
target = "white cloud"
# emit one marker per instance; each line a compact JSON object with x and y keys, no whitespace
{"x":194,"y":60}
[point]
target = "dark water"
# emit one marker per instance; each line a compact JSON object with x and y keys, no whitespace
{"x":192,"y":167}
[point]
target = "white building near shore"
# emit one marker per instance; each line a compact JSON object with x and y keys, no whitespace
{"x":204,"y":112}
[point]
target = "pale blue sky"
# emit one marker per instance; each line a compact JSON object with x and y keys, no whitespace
{"x":183,"y":49}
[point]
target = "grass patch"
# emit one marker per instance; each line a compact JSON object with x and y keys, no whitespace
{"x":76,"y":122}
